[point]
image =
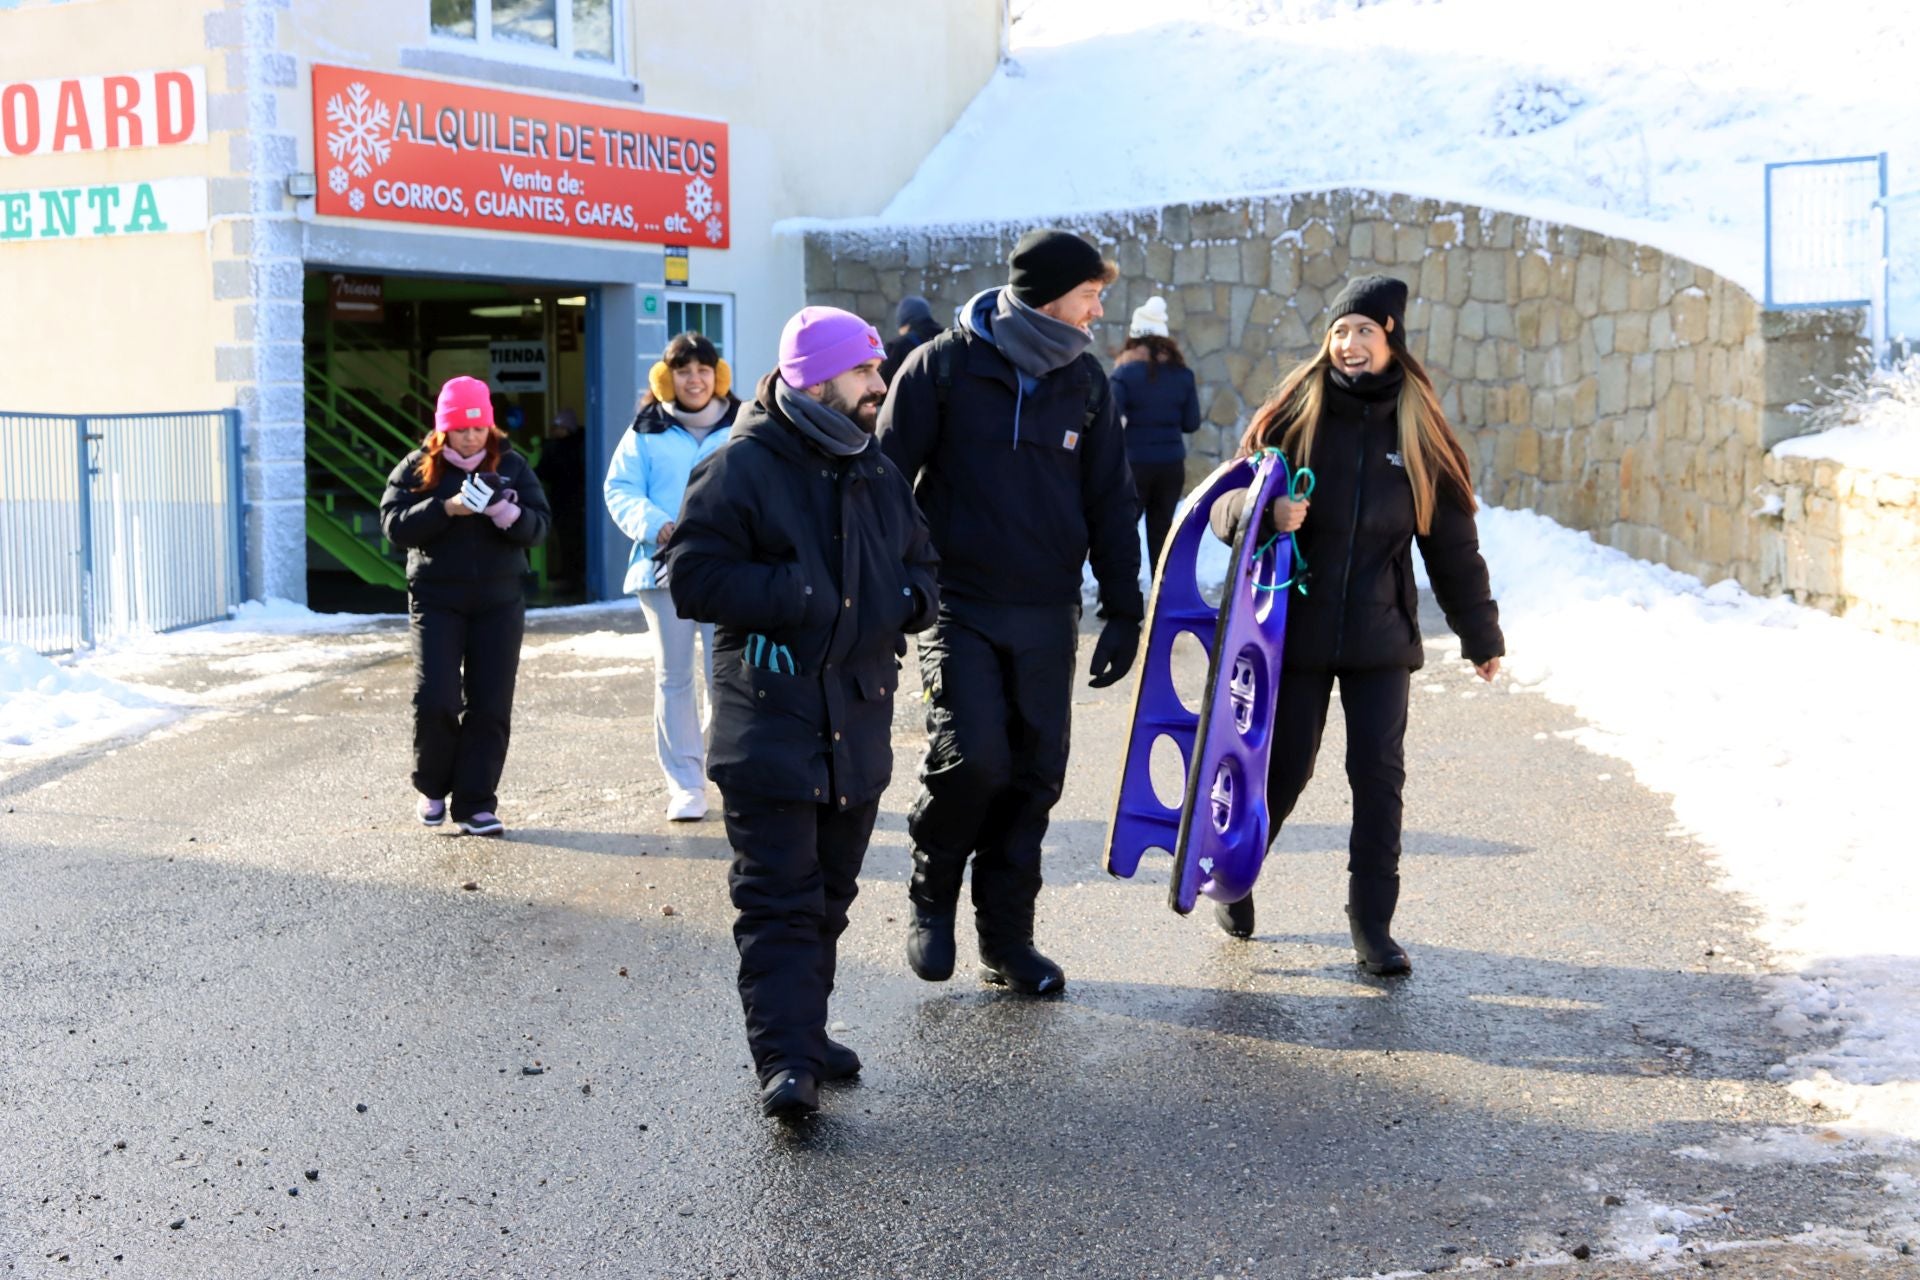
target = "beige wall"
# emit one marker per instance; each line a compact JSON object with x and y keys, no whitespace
{"x":109,"y":325}
{"x":830,"y":108}
{"x":829,"y":116}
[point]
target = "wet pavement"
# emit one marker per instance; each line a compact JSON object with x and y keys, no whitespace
{"x":259,"y":1022}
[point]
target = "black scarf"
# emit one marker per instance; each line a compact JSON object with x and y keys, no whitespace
{"x":1374,"y":388}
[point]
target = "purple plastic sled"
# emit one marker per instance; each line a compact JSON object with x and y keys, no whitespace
{"x":1218,"y":835}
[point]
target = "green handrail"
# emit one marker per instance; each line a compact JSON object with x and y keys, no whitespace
{"x":360,"y":477}
{"x":398,"y":437}
{"x":351,"y":549}
{"x":415,"y":380}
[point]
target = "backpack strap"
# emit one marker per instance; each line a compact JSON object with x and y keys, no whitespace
{"x":1093,"y":409}
{"x":943,"y":381}
{"x":942,"y":371}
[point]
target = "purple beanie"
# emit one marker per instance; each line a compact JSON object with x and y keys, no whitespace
{"x":821,"y":343}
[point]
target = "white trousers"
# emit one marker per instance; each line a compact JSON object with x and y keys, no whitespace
{"x":680,"y":714}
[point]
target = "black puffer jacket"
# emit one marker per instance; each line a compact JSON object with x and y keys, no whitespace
{"x":463,"y":560}
{"x":1361,"y":610}
{"x":826,"y":556}
{"x":1021,"y":486}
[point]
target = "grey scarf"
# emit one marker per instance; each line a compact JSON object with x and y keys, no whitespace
{"x":827,"y":427}
{"x":1035,"y":342}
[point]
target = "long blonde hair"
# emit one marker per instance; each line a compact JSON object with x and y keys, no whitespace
{"x":1290,"y":418}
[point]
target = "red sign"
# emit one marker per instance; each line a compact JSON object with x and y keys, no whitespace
{"x":403,"y":149}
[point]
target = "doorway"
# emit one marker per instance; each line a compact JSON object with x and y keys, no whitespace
{"x":378,"y":348}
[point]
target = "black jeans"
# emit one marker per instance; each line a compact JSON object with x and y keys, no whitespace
{"x":1375,"y":703}
{"x":1159,"y":486}
{"x":999,"y":683}
{"x":796,"y":869}
{"x":465,"y":661}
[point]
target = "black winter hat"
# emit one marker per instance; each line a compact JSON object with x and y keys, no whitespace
{"x":1049,"y":264}
{"x":1379,"y":298}
{"x":912,"y":308}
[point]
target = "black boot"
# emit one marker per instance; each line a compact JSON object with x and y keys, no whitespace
{"x":842,"y":1063}
{"x":930,"y":946}
{"x":789,"y":1096}
{"x":1236,"y":918}
{"x":1007,"y":954}
{"x":933,"y":894}
{"x":1370,"y":904}
{"x":1019,"y":966}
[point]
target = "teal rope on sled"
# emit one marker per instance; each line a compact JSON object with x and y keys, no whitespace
{"x":1300,"y":488}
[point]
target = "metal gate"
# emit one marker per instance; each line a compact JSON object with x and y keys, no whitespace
{"x":112,"y":524}
{"x":1828,"y":238}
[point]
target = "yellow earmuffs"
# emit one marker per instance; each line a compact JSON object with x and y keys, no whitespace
{"x":660,"y":381}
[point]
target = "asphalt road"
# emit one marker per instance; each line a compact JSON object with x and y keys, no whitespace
{"x":260,"y":1023}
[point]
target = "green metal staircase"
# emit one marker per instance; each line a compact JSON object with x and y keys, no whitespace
{"x":353,"y":441}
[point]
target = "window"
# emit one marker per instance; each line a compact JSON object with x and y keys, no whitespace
{"x":579,"y":31}
{"x":710,"y":314}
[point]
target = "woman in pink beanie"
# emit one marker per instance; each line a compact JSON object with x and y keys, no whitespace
{"x":466,"y":507}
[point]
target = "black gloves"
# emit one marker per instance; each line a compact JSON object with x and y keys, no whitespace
{"x":1114,"y":651}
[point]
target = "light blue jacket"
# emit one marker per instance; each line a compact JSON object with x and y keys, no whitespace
{"x":647,"y":480}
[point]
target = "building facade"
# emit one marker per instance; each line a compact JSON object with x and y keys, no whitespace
{"x":317,"y":210}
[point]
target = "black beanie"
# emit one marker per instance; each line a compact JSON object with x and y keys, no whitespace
{"x":912,"y":309}
{"x":1049,"y":264}
{"x":1380,"y":298}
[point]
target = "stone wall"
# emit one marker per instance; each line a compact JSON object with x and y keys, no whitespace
{"x":1606,"y":384}
{"x":1844,"y":540}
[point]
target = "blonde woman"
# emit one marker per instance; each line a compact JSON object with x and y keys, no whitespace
{"x":1389,"y":472}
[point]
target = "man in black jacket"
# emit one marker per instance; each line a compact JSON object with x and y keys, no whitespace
{"x":801,"y":541}
{"x":1007,"y":426}
{"x":917,"y":328}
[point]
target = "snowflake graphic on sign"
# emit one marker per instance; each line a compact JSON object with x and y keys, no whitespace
{"x":715,"y":229}
{"x":699,"y":200}
{"x":357,"y":125}
{"x":338,"y":181}
{"x":357,"y":199}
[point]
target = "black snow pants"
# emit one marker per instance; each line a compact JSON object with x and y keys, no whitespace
{"x":465,"y":661}
{"x":796,"y":868}
{"x":1159,"y":486}
{"x":999,"y":687}
{"x":1375,"y":703}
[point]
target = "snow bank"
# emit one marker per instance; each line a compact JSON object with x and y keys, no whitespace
{"x":135,"y":684}
{"x":1875,"y":425}
{"x":1784,"y":736}
{"x":47,"y":706}
{"x":1639,"y":118}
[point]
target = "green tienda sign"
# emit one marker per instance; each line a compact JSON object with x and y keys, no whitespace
{"x":98,"y":210}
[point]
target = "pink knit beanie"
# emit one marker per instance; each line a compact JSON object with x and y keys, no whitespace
{"x":464,"y":402}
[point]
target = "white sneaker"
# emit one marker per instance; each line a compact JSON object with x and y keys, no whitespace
{"x":686,"y":806}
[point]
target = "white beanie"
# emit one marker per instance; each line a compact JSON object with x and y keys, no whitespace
{"x":1149,"y":319}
